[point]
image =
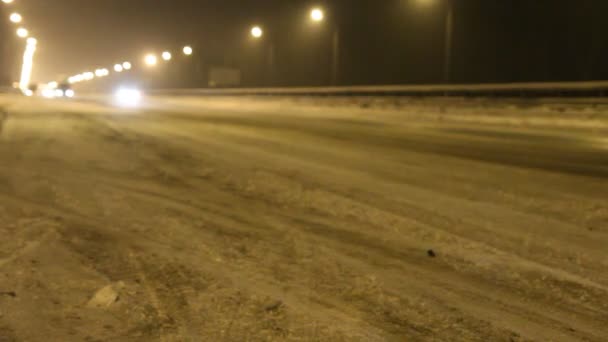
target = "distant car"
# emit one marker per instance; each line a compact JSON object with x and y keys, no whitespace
{"x":33,"y":87}
{"x":58,"y":91}
{"x":64,"y":90}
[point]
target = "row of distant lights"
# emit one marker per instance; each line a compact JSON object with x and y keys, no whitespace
{"x":150,"y":60}
{"x":17,"y":18}
{"x":30,"y":49}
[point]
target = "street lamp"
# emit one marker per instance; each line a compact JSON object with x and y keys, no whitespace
{"x":22,"y":33}
{"x":126,"y":66}
{"x":74,"y":79}
{"x":7,"y":1}
{"x":167,"y":56}
{"x":317,"y":15}
{"x":151,"y":60}
{"x":28,"y":64}
{"x":101,"y":72}
{"x":16,"y":18}
{"x":118,"y":68}
{"x":449,"y":30}
{"x":188,"y":50}
{"x":257,"y":32}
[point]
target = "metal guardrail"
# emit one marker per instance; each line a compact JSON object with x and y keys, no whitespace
{"x":566,"y":89}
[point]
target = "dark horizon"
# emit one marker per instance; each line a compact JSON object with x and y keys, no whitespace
{"x":396,"y":42}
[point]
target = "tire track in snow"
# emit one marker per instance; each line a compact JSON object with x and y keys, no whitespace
{"x":3,"y":118}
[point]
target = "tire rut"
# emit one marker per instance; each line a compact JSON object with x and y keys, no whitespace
{"x":3,"y":118}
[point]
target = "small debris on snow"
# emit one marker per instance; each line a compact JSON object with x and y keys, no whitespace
{"x":273,"y":306}
{"x":105,"y":297}
{"x":431,"y":253}
{"x":9,"y":293}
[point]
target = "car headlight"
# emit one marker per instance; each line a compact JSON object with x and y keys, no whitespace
{"x":128,"y":97}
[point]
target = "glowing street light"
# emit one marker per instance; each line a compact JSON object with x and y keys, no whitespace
{"x":118,"y":68}
{"x":88,"y":76}
{"x":126,"y":66}
{"x":16,"y":18}
{"x":257,"y":32}
{"x":22,"y":32}
{"x":167,"y":56}
{"x":7,"y":1}
{"x":28,"y":64}
{"x":317,"y":15}
{"x":151,"y":60}
{"x":188,"y":50}
{"x":71,"y":80}
{"x":102,"y":72}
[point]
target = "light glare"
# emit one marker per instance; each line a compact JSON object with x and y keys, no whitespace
{"x":16,"y":18}
{"x":188,"y":50}
{"x":257,"y":32}
{"x":48,"y":93}
{"x":28,"y":65}
{"x":151,"y":60}
{"x":22,"y":32}
{"x":128,"y":97}
{"x":317,"y":14}
{"x":102,"y":72}
{"x":167,"y":56}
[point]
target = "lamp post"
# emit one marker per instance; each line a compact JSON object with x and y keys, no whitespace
{"x":317,"y":15}
{"x":28,"y":64}
{"x":257,"y":33}
{"x":449,"y":27}
{"x":448,"y":37}
{"x":335,"y":60}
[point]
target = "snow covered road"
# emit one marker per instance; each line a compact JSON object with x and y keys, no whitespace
{"x":235,"y":220}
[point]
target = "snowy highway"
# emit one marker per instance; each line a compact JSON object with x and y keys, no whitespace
{"x":244,"y":219}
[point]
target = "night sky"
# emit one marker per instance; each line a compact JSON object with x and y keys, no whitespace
{"x":383,"y":41}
